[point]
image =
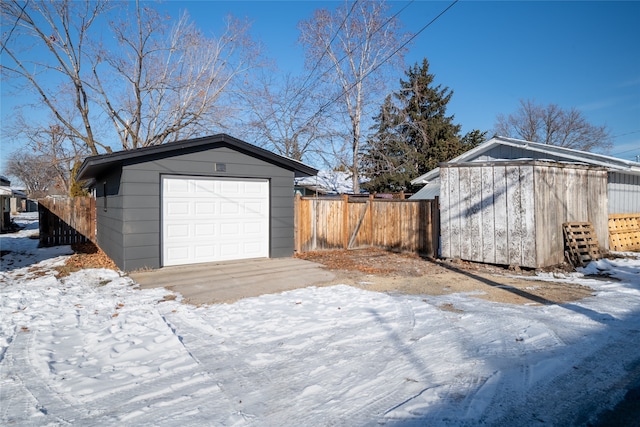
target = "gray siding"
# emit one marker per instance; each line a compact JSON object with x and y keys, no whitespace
{"x":109,"y":216}
{"x":624,"y":193}
{"x":140,"y":195}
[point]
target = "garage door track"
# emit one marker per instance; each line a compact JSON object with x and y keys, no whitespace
{"x":230,"y":281}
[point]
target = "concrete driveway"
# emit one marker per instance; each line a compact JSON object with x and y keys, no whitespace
{"x":212,"y":283}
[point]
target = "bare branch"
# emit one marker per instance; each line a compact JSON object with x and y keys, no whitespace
{"x":554,"y":126}
{"x":354,"y":41}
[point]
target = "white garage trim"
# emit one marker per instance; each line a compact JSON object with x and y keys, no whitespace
{"x":214,"y":219}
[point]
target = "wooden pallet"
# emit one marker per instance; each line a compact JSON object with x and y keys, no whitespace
{"x":624,"y":232}
{"x":581,"y":243}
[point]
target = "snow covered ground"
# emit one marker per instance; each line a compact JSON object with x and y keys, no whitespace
{"x":91,"y":349}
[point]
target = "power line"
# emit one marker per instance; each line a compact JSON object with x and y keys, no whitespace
{"x":322,"y":108}
{"x":346,"y":55}
{"x":626,"y":151}
{"x":326,"y":49}
{"x":15,"y":24}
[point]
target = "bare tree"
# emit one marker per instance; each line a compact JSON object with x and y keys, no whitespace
{"x":58,"y":30}
{"x":49,"y":151}
{"x":162,"y":82}
{"x":357,"y":42}
{"x":36,"y":172}
{"x":169,"y":80}
{"x":283,"y":116}
{"x":553,"y":125}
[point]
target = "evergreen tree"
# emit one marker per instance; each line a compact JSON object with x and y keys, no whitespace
{"x":413,"y":133}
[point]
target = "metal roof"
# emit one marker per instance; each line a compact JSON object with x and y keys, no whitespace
{"x":567,"y":154}
{"x":94,"y":166}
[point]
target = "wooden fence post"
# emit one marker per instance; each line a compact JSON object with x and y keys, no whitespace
{"x":435,"y":224}
{"x":371,"y":228}
{"x":296,"y":223}
{"x":345,"y":221}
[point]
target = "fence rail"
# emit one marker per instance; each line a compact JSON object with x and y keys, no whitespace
{"x":624,"y":232}
{"x":352,"y":223}
{"x":67,"y":221}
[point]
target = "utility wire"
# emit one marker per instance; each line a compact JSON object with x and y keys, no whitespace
{"x":625,"y":134}
{"x":345,"y":91}
{"x":326,"y":49}
{"x":15,"y":24}
{"x":346,"y":55}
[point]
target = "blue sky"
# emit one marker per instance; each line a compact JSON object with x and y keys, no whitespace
{"x":581,"y":54}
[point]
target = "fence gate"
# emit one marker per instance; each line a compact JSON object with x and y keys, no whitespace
{"x":323,"y":223}
{"x":67,"y":221}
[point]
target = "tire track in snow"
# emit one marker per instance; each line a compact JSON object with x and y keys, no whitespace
{"x":277,"y":379}
{"x":28,"y":382}
{"x":591,"y":385}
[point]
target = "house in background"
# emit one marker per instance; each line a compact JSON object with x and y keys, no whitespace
{"x":208,"y":199}
{"x":623,"y":176}
{"x":12,"y":201}
{"x":20,"y":202}
{"x":324,"y":183}
{"x":5,"y":203}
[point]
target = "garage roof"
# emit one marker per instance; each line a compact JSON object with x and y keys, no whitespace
{"x":94,"y":166}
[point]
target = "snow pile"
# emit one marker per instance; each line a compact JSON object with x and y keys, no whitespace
{"x":91,"y":349}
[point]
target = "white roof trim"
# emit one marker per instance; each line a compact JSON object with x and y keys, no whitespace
{"x":611,"y":163}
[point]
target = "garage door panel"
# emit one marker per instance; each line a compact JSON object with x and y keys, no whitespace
{"x":217,"y":219}
{"x":177,"y":208}
{"x":176,"y":187}
{"x":229,"y":207}
{"x":176,"y":231}
{"x":204,"y":187}
{"x":253,"y":228}
{"x":204,"y":208}
{"x":205,"y":230}
{"x":178,"y":253}
{"x":253,"y":189}
{"x":253,"y":208}
{"x":204,"y":251}
{"x":227,"y":230}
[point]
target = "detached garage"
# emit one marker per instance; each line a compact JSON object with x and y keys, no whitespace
{"x":202,"y":200}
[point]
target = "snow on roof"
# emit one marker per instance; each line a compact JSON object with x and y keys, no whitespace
{"x":327,"y":182}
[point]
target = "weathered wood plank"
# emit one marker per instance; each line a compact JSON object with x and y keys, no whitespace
{"x":528,"y":225}
{"x":500,"y":214}
{"x":445,"y":213}
{"x":464,"y":197}
{"x":67,"y":221}
{"x":389,"y":224}
{"x":475,"y":214}
{"x":514,"y":216}
{"x":488,"y":216}
{"x":455,"y":213}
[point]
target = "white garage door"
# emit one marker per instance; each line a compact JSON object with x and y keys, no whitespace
{"x":205,"y":219}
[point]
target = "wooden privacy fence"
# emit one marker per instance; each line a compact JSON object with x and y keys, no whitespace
{"x":624,"y":232}
{"x":352,"y":223}
{"x":67,"y":221}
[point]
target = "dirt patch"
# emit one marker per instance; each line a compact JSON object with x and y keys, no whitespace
{"x":383,"y":271}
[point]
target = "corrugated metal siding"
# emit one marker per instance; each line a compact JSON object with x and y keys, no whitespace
{"x":502,"y":152}
{"x":624,"y":193}
{"x":428,"y":192}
